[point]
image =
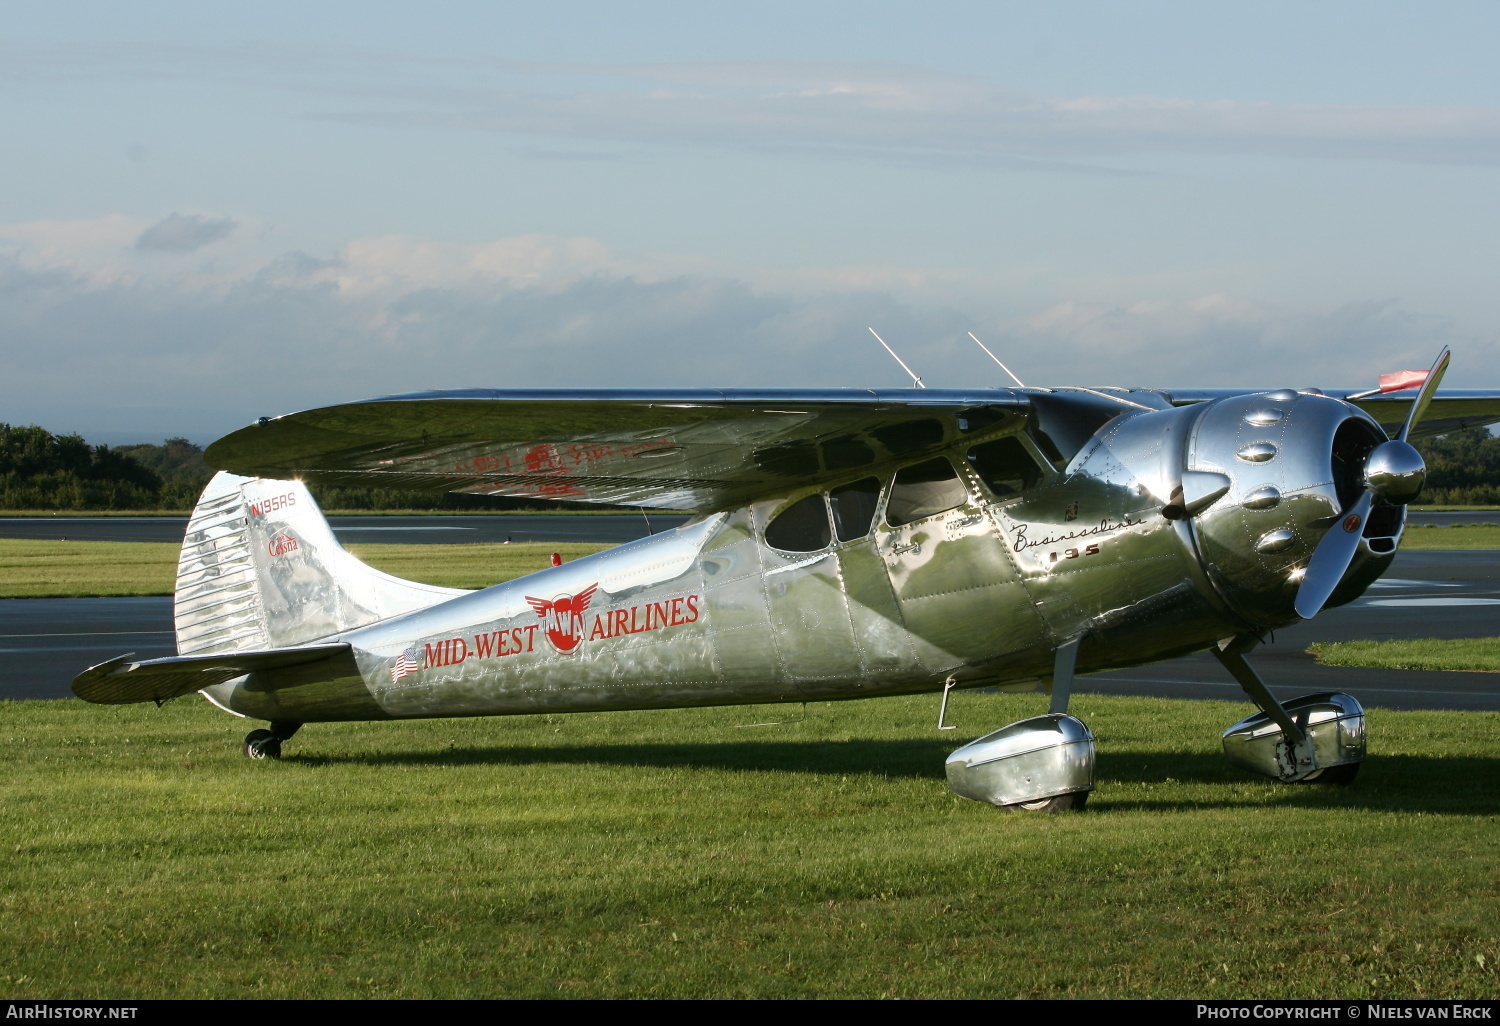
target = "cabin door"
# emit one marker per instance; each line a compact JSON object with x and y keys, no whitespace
{"x":958,"y":591}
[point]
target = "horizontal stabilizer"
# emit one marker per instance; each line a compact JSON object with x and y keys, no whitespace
{"x":121,"y":682}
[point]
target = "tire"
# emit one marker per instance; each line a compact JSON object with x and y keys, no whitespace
{"x":262,"y":744}
{"x":1072,"y":802}
{"x":1334,"y":776}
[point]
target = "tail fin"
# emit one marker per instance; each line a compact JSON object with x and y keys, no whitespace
{"x":260,"y":569}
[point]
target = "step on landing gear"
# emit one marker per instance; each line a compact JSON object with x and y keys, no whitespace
{"x":1043,"y":764}
{"x":1315,"y":739}
{"x":266,"y":744}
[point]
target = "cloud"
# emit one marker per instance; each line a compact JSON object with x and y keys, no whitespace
{"x":165,"y":353}
{"x":903,"y":113}
{"x":1218,"y":341}
{"x":870,"y":110}
{"x":93,"y":355}
{"x":184,"y":233}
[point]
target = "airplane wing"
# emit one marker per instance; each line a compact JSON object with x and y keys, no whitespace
{"x":118,"y":681}
{"x":673,"y":448}
{"x":1451,"y":409}
{"x":660,"y":448}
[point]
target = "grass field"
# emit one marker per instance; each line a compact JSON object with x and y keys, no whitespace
{"x":678,"y":854}
{"x":469,"y":566}
{"x":1455,"y":509}
{"x":61,"y":569}
{"x":1465,"y":536}
{"x":64,"y":569}
{"x":39,"y":569}
{"x":1413,"y":654}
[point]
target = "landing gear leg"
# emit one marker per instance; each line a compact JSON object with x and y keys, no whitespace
{"x":1063,"y":663}
{"x":1294,"y":755}
{"x":266,"y":744}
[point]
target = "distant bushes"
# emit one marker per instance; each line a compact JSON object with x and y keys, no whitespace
{"x":43,"y":471}
{"x":1463,"y":468}
{"x":40,"y":470}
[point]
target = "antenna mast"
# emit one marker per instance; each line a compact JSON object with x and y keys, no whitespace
{"x":992,"y":356}
{"x":916,"y":381}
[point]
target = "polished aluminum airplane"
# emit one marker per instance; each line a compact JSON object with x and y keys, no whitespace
{"x":848,"y":544}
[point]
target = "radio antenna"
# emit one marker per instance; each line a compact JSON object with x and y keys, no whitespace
{"x":992,"y":356}
{"x":916,"y":381}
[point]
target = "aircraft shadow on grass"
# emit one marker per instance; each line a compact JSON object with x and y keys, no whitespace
{"x":1387,"y":783}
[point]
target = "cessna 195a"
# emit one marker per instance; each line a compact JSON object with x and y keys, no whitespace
{"x":848,"y":544}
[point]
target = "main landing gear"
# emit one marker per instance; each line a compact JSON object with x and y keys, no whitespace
{"x":266,"y":744}
{"x":1044,"y":764}
{"x":1315,"y":739}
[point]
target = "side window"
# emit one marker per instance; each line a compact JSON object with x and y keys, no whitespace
{"x":801,"y":527}
{"x":854,"y":508}
{"x":1005,"y":466}
{"x":922,"y":490}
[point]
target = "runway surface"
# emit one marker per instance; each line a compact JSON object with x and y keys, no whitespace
{"x":1453,"y":594}
{"x":1427,"y":594}
{"x":434,"y":530}
{"x":1452,"y":518}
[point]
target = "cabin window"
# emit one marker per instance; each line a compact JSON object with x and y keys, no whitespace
{"x":801,"y":527}
{"x":854,"y":508}
{"x":1005,"y":466}
{"x":923,"y":490}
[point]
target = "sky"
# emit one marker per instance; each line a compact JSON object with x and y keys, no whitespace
{"x":210,"y":214}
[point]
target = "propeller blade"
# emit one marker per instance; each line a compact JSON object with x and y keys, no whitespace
{"x":1419,"y":405}
{"x":1395,"y":472}
{"x":1332,"y":557}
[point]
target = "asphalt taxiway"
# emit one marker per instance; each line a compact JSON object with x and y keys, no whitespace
{"x":1428,"y":594}
{"x":420,"y":530}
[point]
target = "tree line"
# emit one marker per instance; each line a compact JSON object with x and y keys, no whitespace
{"x":43,"y":471}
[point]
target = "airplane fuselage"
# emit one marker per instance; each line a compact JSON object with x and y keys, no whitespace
{"x":713,"y":613}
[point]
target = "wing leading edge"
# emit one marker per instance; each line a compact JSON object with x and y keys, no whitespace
{"x":663,"y":448}
{"x":1451,"y":410}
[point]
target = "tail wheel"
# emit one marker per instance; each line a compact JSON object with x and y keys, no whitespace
{"x":1072,"y":802}
{"x":262,"y":744}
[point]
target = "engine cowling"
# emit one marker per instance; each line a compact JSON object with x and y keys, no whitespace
{"x":1293,"y":461}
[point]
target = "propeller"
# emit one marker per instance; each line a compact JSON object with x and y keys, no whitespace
{"x":1394,"y":471}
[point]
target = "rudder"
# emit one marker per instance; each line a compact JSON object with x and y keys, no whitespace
{"x":261,"y":569}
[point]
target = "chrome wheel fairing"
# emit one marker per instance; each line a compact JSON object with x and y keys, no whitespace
{"x":1030,"y":762}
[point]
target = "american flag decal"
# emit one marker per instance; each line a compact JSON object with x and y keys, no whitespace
{"x":405,"y":663}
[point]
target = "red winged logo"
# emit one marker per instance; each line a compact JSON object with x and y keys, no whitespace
{"x":564,"y":617}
